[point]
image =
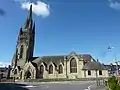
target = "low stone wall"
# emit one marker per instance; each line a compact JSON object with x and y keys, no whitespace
{"x":55,"y":80}
{"x":6,"y":80}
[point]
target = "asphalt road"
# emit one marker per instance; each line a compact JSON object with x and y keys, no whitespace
{"x":49,"y":86}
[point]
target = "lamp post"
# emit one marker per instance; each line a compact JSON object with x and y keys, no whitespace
{"x":118,"y":66}
{"x":117,"y":69}
{"x":116,"y":62}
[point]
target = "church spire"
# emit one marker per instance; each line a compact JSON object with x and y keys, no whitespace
{"x":29,"y":18}
{"x":30,"y":13}
{"x":33,"y":28}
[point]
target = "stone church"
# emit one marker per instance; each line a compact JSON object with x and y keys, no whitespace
{"x":71,"y":66}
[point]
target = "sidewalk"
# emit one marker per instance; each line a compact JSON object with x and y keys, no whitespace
{"x":102,"y":87}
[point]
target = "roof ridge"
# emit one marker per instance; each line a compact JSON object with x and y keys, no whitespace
{"x":54,"y":56}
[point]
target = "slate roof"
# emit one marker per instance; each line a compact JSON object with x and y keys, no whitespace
{"x":111,"y":67}
{"x":56,"y":59}
{"x":94,"y":65}
{"x":47,"y":59}
{"x":33,"y":58}
{"x":34,"y":64}
{"x":86,"y":57}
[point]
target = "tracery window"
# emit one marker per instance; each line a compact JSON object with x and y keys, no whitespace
{"x":73,"y":66}
{"x":51,"y":69}
{"x":60,"y":70}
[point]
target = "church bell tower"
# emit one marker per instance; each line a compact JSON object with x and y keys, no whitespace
{"x":25,"y":42}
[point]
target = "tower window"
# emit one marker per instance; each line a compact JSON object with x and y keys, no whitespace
{"x":21,"y":51}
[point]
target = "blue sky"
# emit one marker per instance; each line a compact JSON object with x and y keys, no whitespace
{"x":83,"y":26}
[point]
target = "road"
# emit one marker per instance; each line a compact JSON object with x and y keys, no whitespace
{"x":50,"y":86}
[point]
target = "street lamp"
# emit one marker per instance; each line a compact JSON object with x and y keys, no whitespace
{"x":116,"y":62}
{"x":117,"y":69}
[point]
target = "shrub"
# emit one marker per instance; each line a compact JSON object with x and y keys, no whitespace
{"x":117,"y":87}
{"x":113,"y":83}
{"x":112,"y":86}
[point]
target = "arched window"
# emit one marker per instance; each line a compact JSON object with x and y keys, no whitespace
{"x":50,"y":69}
{"x":21,"y":51}
{"x":73,"y":66}
{"x":41,"y":69}
{"x":60,"y":70}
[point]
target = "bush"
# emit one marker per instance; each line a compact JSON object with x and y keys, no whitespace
{"x":117,"y":87}
{"x":112,"y":83}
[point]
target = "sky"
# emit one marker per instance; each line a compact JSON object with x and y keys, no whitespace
{"x":63,"y":26}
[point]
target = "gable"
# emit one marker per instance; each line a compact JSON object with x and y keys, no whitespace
{"x":28,"y":65}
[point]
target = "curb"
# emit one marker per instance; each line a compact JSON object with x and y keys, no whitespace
{"x":65,"y":82}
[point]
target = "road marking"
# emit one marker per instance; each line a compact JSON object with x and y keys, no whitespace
{"x":30,"y":86}
{"x":34,"y":86}
{"x":89,"y":87}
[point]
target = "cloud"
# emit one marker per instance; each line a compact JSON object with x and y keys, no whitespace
{"x":2,"y":12}
{"x":114,"y":4}
{"x":4,"y":64}
{"x":39,"y":8}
